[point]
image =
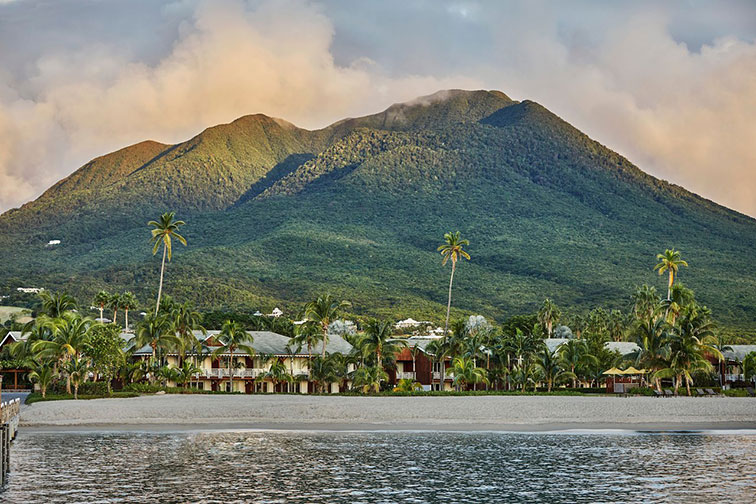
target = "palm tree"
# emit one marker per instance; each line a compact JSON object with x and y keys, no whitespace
{"x":185,"y":320}
{"x":43,"y":375}
{"x":164,"y":230}
{"x":324,"y":310}
{"x":277,"y":373}
{"x":231,"y":338}
{"x":548,"y":315}
{"x":322,"y":372}
{"x":186,"y":372}
{"x":157,"y":332}
{"x":408,"y":386}
{"x":465,"y":372}
{"x":77,"y":370}
{"x":452,"y":249}
{"x":70,"y":334}
{"x":101,"y":300}
{"x":720,"y":343}
{"x":575,"y":355}
{"x":378,"y":340}
{"x":616,"y":325}
{"x":670,"y":261}
{"x":368,"y":379}
{"x":55,"y":304}
{"x":646,"y":303}
{"x":548,"y":363}
{"x":749,"y":366}
{"x":652,"y":338}
{"x":128,"y":302}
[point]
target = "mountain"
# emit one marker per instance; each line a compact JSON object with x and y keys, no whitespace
{"x":276,"y":214}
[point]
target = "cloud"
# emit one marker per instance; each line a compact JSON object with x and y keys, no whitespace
{"x":673,"y":97}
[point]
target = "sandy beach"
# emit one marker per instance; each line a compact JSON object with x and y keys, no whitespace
{"x":495,"y":413}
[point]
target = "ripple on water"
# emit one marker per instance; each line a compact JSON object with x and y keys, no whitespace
{"x":370,"y":467}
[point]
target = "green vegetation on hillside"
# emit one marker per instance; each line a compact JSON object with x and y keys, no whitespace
{"x":278,"y":214}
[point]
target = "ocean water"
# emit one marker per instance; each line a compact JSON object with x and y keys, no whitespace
{"x":376,"y":467}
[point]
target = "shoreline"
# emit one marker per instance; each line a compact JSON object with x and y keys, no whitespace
{"x":748,"y":428}
{"x":180,"y":413}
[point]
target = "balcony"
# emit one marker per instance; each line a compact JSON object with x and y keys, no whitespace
{"x":223,"y":373}
{"x":437,"y":375}
{"x":405,"y":375}
{"x":733,"y":377}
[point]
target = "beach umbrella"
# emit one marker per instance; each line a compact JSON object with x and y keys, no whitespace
{"x":613,"y":371}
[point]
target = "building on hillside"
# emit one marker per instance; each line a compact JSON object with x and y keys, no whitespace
{"x":252,"y":374}
{"x":277,"y":312}
{"x":30,"y":290}
{"x":411,"y":323}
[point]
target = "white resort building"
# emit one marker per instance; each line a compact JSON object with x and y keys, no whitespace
{"x":253,"y":373}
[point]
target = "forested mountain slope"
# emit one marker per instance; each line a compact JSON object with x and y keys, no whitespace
{"x":276,"y":214}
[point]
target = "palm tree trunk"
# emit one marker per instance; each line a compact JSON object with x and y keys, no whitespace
{"x":325,"y":339}
{"x":231,"y":372}
{"x":126,"y":311}
{"x":101,"y":310}
{"x":669,"y":287}
{"x":448,"y":304}
{"x":160,"y":288}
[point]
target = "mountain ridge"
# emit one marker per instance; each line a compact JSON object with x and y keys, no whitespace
{"x":277,"y":213}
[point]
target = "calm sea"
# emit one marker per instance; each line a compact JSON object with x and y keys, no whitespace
{"x":370,"y":467}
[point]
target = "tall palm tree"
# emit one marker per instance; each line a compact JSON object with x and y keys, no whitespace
{"x":309,"y":335}
{"x":101,"y":300}
{"x":669,"y":262}
{"x":453,"y":249}
{"x":128,"y":302}
{"x":549,"y":315}
{"x":324,"y":310}
{"x":185,"y":320}
{"x":233,"y":337}
{"x":652,"y":338}
{"x":164,"y":230}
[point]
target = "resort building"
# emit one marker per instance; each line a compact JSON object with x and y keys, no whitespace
{"x":14,"y":379}
{"x":417,"y":363}
{"x":253,"y":373}
{"x":731,"y":370}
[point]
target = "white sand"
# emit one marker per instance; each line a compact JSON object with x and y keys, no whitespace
{"x":413,"y":413}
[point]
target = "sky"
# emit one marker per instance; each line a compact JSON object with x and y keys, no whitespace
{"x":670,"y":85}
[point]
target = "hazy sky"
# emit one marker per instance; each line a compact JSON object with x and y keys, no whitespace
{"x":671,"y":85}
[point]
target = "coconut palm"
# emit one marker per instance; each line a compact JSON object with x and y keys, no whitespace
{"x":652,"y":338}
{"x":453,"y":249}
{"x":551,"y":371}
{"x":186,"y":372}
{"x":70,"y":334}
{"x":670,"y":262}
{"x":378,"y":340}
{"x":465,"y":372}
{"x":233,"y":337}
{"x":549,"y":315}
{"x":185,"y":320}
{"x":43,"y":374}
{"x":324,"y":310}
{"x":157,"y":332}
{"x":165,"y":229}
{"x":368,"y":379}
{"x":616,"y":325}
{"x":574,"y":355}
{"x":101,"y":300}
{"x":128,"y":302}
{"x":55,"y":304}
{"x":77,"y":371}
{"x":523,"y":374}
{"x":277,"y":373}
{"x":322,"y":372}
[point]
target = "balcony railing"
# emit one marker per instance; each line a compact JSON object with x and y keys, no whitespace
{"x":405,"y":375}
{"x":437,"y":375}
{"x":224,"y":373}
{"x":733,"y":377}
